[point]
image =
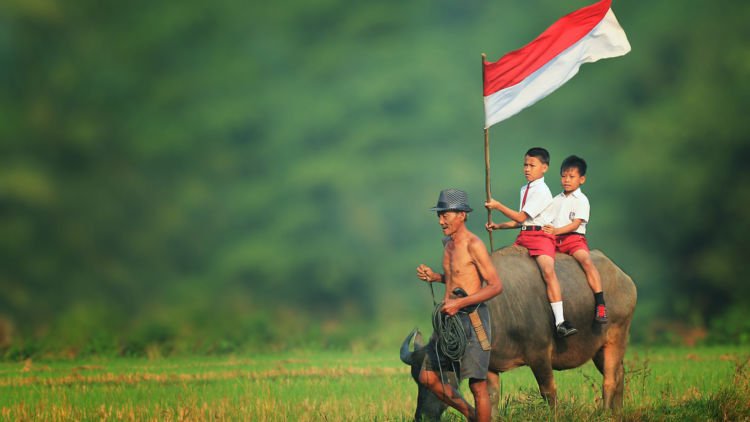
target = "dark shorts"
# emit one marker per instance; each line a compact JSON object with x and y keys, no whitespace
{"x":475,"y":362}
{"x":569,"y":243}
{"x":537,"y":242}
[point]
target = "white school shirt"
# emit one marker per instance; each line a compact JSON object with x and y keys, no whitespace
{"x":570,"y":207}
{"x":538,"y":201}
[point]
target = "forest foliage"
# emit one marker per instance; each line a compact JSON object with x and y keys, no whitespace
{"x":222,"y":176}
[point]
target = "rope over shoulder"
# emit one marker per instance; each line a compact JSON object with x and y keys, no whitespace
{"x":451,"y":334}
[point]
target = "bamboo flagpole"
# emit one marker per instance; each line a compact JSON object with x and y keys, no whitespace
{"x":487,"y":165}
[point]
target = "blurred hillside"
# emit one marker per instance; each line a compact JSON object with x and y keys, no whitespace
{"x":218,"y":176}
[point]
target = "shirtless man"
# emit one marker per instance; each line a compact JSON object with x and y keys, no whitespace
{"x":465,"y":264}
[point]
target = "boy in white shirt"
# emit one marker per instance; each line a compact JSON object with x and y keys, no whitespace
{"x":533,"y":215}
{"x":572,"y":211}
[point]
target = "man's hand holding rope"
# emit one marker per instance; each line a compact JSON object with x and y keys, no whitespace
{"x":425,"y":273}
{"x":452,"y":306}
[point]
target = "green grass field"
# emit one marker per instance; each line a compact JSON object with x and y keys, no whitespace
{"x":662,"y":384}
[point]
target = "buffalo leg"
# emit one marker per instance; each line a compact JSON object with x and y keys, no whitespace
{"x":493,"y":387}
{"x":608,"y":361}
{"x":544,"y":377}
{"x":617,"y":397}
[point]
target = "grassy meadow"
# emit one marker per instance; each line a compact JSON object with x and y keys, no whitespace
{"x":662,"y":384}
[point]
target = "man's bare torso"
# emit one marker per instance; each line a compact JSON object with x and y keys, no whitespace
{"x":459,"y":266}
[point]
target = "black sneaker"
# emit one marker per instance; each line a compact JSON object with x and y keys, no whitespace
{"x":565,"y":329}
{"x":601,"y":314}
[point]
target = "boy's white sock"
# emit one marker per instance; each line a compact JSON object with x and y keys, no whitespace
{"x":557,"y":309}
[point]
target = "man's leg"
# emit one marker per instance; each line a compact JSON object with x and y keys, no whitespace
{"x":493,"y":390}
{"x":481,"y":399}
{"x":446,"y":392}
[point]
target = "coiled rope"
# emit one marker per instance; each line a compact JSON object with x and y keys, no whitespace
{"x":451,"y":333}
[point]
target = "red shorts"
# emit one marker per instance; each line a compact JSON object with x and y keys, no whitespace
{"x":569,"y":243}
{"x":537,"y":242}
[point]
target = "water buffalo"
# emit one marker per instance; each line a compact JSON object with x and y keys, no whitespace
{"x":523,"y":329}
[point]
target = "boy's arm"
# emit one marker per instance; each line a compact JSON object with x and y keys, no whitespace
{"x":569,"y":228}
{"x":517,"y":216}
{"x":501,"y":226}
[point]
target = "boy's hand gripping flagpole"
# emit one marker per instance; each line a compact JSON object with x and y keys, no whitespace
{"x":487,"y":166}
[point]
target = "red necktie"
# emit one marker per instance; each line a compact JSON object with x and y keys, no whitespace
{"x":525,"y":194}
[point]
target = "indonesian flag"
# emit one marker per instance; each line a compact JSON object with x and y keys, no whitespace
{"x":525,"y":76}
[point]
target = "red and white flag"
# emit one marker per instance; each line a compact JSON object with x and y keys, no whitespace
{"x":525,"y":76}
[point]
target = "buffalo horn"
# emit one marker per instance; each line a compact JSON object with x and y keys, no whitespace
{"x":405,"y":353}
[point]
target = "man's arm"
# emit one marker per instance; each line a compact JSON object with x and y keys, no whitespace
{"x":517,"y":216}
{"x":569,"y":228}
{"x":425,"y":273}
